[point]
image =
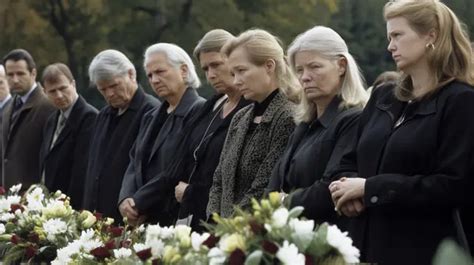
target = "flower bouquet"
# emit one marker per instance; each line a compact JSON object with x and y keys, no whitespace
{"x":35,"y":225}
{"x":269,"y":234}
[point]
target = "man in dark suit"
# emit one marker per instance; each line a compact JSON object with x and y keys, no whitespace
{"x":67,"y":133}
{"x":5,"y":99}
{"x":115,"y":131}
{"x":23,"y":121}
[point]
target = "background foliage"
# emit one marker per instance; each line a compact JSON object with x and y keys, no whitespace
{"x":73,"y":31}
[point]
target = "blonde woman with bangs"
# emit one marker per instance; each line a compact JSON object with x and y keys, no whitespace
{"x":259,"y":132}
{"x":413,"y":166}
{"x":327,"y":116}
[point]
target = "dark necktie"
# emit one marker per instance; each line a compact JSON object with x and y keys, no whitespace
{"x":61,"y":122}
{"x":17,"y":104}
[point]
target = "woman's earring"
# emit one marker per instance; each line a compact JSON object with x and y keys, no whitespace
{"x":430,"y":46}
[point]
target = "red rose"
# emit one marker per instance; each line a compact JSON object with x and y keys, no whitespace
{"x":2,"y":190}
{"x":237,"y":257}
{"x":269,"y":247}
{"x":257,"y":228}
{"x":30,"y":251}
{"x":33,"y":237}
{"x":15,"y":239}
{"x":308,"y":259}
{"x":155,"y":262}
{"x":144,"y":255}
{"x":211,"y":241}
{"x":115,"y":231}
{"x":98,"y":215}
{"x":101,"y":253}
{"x":15,"y":207}
{"x":110,"y":244}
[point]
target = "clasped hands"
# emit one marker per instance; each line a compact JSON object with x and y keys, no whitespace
{"x":347,"y":195}
{"x":127,"y":209}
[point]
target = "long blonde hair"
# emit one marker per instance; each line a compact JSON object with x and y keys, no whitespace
{"x":451,"y":57}
{"x":262,"y":46}
{"x":327,"y":43}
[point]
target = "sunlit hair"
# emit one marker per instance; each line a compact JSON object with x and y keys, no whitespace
{"x":212,"y":42}
{"x":451,"y":57}
{"x":176,"y":57}
{"x":328,"y":44}
{"x":53,"y":72}
{"x":108,"y":65}
{"x":262,"y":46}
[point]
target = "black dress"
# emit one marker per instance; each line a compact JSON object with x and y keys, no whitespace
{"x":200,"y":151}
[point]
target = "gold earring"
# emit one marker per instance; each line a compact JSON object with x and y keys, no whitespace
{"x":430,"y":46}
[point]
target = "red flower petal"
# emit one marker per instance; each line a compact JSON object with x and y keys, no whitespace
{"x":144,"y":255}
{"x":237,"y":257}
{"x":269,"y":247}
{"x":101,"y":253}
{"x":211,"y":241}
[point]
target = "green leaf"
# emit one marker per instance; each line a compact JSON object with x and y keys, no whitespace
{"x":295,"y":212}
{"x":254,"y":258}
{"x":319,"y":246}
{"x":450,"y":253}
{"x":302,"y":241}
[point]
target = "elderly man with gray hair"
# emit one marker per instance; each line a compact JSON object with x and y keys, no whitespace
{"x":143,"y":196}
{"x":116,"y":129}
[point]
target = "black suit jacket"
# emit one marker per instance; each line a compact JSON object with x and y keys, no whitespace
{"x":22,"y":139}
{"x":112,"y":139}
{"x":65,"y":163}
{"x":142,"y":178}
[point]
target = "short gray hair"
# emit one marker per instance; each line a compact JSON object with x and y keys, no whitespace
{"x":2,"y":70}
{"x":176,"y":57}
{"x":109,"y":64}
{"x":329,"y":44}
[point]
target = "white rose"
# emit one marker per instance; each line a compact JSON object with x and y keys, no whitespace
{"x":280,"y":217}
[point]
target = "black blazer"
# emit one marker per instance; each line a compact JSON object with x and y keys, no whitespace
{"x":202,"y":169}
{"x":65,"y":163}
{"x":141,"y":180}
{"x":313,"y":149}
{"x":417,"y":172}
{"x":22,"y":140}
{"x":112,"y":139}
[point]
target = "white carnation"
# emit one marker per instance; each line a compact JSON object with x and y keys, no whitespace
{"x":122,"y":253}
{"x":14,"y":199}
{"x":5,"y":217}
{"x":288,"y":255}
{"x":139,"y":247}
{"x":343,"y":244}
{"x":216,"y":256}
{"x":197,"y":240}
{"x":54,"y":227}
{"x":35,"y":199}
{"x":2,"y":229}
